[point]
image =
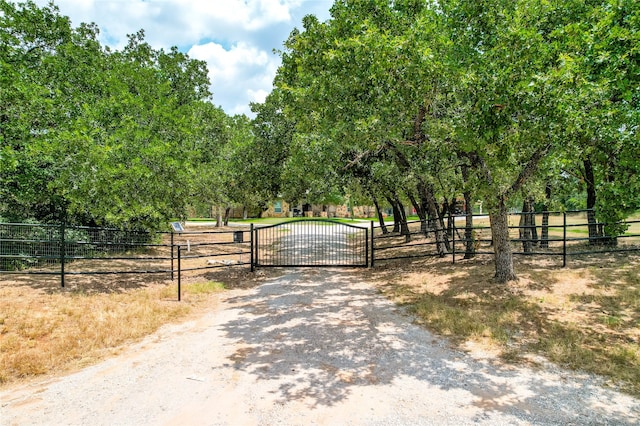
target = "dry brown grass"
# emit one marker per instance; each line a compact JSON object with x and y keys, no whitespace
{"x":48,"y":330}
{"x":582,"y":317}
{"x":45,"y":332}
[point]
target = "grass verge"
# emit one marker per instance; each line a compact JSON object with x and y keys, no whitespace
{"x":582,"y":317}
{"x":49,"y":330}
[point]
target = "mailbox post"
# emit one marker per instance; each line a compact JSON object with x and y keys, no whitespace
{"x":175,"y":227}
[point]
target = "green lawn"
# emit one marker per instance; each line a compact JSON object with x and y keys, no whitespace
{"x":275,"y":220}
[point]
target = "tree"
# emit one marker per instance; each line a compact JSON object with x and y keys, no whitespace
{"x":94,"y":136}
{"x":130,"y":150}
{"x":505,"y":62}
{"x":603,"y":53}
{"x":365,"y":82}
{"x":29,"y":40}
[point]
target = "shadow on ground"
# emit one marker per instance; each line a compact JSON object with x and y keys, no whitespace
{"x":322,"y":334}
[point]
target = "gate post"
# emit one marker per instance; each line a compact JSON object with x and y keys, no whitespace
{"x":172,"y":277}
{"x":564,"y":239}
{"x":62,"y":251}
{"x":372,"y":246}
{"x":179,"y":273}
{"x":251,"y":242}
{"x":453,"y":240}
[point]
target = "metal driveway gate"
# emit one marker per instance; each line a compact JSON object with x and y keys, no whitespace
{"x":311,"y":242}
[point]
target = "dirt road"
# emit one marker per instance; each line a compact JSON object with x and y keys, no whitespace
{"x":310,"y":347}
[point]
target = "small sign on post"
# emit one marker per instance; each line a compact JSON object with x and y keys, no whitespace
{"x":177,"y":226}
{"x":238,"y":236}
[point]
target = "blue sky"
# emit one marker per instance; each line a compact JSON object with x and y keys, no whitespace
{"x":235,"y":37}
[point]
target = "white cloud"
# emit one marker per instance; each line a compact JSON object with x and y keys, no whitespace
{"x":257,"y":95}
{"x":234,"y":37}
{"x":177,"y":22}
{"x":242,"y":73}
{"x":251,"y":15}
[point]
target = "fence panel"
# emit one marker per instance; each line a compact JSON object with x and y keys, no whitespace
{"x":213,"y":249}
{"x":29,"y":246}
{"x":553,"y":234}
{"x":68,"y":250}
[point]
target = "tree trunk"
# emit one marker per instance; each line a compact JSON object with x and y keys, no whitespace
{"x":218,"y":217}
{"x":227,"y":212}
{"x":446,"y":229}
{"x":383,"y":226}
{"x":404,"y":227}
{"x":544,"y":240}
{"x":526,"y":236}
{"x":421,"y":214}
{"x":426,"y":194}
{"x":446,"y":212}
{"x":532,"y":223}
{"x":503,"y":254}
{"x":451,"y":217}
{"x":594,"y":232}
{"x":396,"y":215}
{"x":432,"y":209}
{"x":470,"y":248}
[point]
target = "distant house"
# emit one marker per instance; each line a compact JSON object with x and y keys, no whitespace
{"x":281,"y":208}
{"x":278,"y":208}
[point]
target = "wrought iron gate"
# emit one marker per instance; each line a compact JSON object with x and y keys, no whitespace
{"x":311,"y":242}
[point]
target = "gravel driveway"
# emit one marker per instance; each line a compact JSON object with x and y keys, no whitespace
{"x":310,"y":347}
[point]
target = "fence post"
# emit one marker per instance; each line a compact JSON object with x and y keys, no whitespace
{"x":172,"y":278}
{"x":179,"y":274}
{"x":251,"y":242}
{"x":256,"y":242}
{"x":62,"y":252}
{"x":564,"y":239}
{"x":372,"y":246}
{"x":366,"y":245}
{"x":453,"y":240}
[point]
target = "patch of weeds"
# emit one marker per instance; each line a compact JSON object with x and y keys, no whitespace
{"x":611,"y":321}
{"x":582,"y":317}
{"x":501,"y":320}
{"x":565,"y":344}
{"x":511,"y":355}
{"x":204,"y":287}
{"x":446,"y":318}
{"x":579,"y":349}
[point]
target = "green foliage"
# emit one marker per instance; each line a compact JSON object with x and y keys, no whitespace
{"x":389,"y":98}
{"x":96,"y":136}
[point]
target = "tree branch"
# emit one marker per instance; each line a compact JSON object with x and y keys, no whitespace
{"x":477,"y":162}
{"x":529,"y":169}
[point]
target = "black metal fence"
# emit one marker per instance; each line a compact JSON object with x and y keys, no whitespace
{"x":28,"y":248}
{"x":31,"y":248}
{"x":554,"y":234}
